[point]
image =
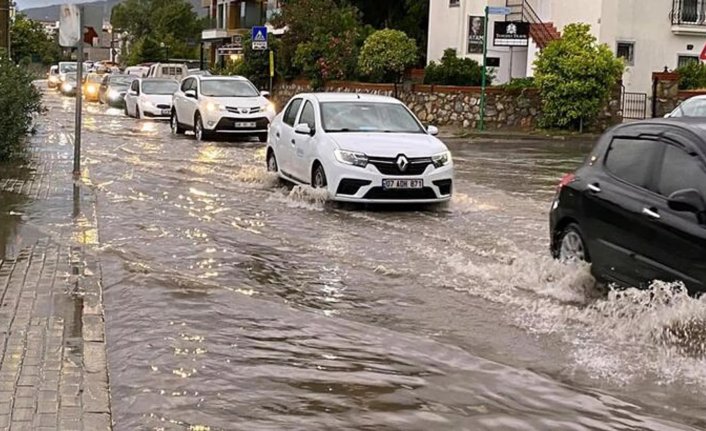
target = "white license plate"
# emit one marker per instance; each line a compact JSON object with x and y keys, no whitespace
{"x":248,"y":125}
{"x":402,"y":184}
{"x":166,"y":112}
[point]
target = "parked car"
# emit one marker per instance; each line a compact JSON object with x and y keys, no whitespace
{"x":69,"y":84}
{"x":692,"y":107}
{"x":91,"y":85}
{"x":361,"y":148}
{"x":139,"y":71}
{"x":53,"y":77}
{"x":68,"y":67}
{"x":150,"y":98}
{"x":221,"y":104}
{"x":176,"y":71}
{"x":635,"y":210}
{"x":113,"y":89}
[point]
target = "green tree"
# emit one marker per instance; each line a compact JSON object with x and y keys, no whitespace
{"x":322,"y":40}
{"x":254,"y":65}
{"x":386,"y":54}
{"x":149,"y":23}
{"x":692,"y":76}
{"x":31,"y":44}
{"x":19,"y":101}
{"x":453,"y":70}
{"x":576,"y":76}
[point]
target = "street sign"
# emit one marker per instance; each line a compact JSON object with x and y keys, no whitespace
{"x":495,"y":10}
{"x":509,"y":33}
{"x":237,"y":41}
{"x":259,"y":38}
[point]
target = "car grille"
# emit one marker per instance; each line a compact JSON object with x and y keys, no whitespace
{"x":164,"y":106}
{"x":234,"y":110}
{"x":350,"y":187}
{"x":388,"y":165}
{"x":229,"y":124}
{"x":400,"y":194}
{"x":445,"y":186}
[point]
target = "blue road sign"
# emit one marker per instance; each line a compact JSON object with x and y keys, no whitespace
{"x":259,"y":38}
{"x":495,"y":10}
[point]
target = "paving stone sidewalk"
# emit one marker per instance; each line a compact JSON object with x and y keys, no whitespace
{"x":53,"y":367}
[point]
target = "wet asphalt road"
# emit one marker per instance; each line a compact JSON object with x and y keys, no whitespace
{"x":234,"y":301}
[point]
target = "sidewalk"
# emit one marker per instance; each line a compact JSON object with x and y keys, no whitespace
{"x":467,"y":134}
{"x":53,"y":368}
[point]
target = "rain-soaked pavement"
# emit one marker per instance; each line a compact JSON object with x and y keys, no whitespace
{"x":236,"y":302}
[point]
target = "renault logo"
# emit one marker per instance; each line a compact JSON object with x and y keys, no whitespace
{"x":402,"y":163}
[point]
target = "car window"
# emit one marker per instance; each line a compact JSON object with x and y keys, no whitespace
{"x":290,"y":114}
{"x":692,"y":108}
{"x":135,"y":85}
{"x":186,"y":85}
{"x":681,"y":171}
{"x":308,"y":117}
{"x":630,"y":159}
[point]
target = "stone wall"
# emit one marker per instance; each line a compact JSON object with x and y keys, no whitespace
{"x":444,"y":105}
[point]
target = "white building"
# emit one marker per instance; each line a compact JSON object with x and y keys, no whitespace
{"x":649,"y":34}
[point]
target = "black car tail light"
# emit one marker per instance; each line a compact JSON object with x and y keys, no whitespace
{"x":565,"y":181}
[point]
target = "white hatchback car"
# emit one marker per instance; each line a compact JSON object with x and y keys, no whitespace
{"x":150,"y":98}
{"x":361,"y":148}
{"x":221,"y":104}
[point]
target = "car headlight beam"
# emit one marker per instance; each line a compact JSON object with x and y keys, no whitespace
{"x":113,"y":95}
{"x":351,"y":158}
{"x":441,"y":159}
{"x":214,"y":107}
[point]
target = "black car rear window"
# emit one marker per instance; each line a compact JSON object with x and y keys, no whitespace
{"x":631,"y":159}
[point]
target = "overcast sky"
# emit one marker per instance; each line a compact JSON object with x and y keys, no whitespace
{"x":27,"y":4}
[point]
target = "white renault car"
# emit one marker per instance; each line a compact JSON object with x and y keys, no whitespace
{"x":150,"y":98}
{"x":211,"y":105}
{"x":361,"y":148}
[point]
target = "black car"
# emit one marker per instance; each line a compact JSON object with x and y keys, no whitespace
{"x":113,"y":89}
{"x":635,"y":210}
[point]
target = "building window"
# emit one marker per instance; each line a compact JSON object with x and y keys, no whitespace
{"x":454,"y":3}
{"x":683,"y":60}
{"x":626,"y":51}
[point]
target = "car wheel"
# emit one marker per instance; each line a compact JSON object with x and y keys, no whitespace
{"x":319,"y":178}
{"x":176,"y":128}
{"x":199,"y":131}
{"x":262,"y":137}
{"x":572,"y":246}
{"x":272,"y":162}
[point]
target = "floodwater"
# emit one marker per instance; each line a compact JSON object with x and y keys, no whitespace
{"x":234,"y":301}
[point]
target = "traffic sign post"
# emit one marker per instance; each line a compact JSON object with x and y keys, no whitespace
{"x":488,"y":11}
{"x":272,"y":69}
{"x":259,"y":38}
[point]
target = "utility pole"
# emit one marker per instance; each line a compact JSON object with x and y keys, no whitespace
{"x":485,"y":66}
{"x":79,"y":96}
{"x":5,"y":6}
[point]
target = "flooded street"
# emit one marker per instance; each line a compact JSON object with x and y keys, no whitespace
{"x":234,"y":301}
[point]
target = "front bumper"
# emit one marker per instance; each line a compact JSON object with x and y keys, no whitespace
{"x":157,"y":112}
{"x":353,"y":184}
{"x":226,"y":122}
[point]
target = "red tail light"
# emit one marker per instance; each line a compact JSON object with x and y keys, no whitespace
{"x":566,"y":180}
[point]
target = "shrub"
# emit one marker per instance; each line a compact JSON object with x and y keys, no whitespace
{"x":254,"y":65}
{"x":19,"y":101}
{"x":520,"y":84}
{"x":386,"y":54}
{"x":692,"y":76}
{"x":453,"y":70}
{"x":576,"y":76}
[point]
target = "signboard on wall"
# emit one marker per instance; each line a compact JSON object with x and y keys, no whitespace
{"x":509,"y":33}
{"x":476,"y":34}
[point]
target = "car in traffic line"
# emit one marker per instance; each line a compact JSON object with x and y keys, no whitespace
{"x":91,"y":85}
{"x":635,"y":210}
{"x":361,"y":148}
{"x":150,"y":98}
{"x":68,"y":84}
{"x":692,"y":107}
{"x":211,"y":105}
{"x":114,"y":88}
{"x":53,"y":77}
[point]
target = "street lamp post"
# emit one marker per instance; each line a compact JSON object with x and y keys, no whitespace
{"x":165,"y":47}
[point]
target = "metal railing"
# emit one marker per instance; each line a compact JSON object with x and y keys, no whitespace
{"x":522,"y":10}
{"x":688,"y":12}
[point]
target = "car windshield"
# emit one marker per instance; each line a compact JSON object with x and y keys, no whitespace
{"x":94,"y":78}
{"x":368,"y":117}
{"x":67,"y":67}
{"x":121,"y":80}
{"x":228,"y":88}
{"x":71,"y":76}
{"x":692,"y":108}
{"x":159,"y":87}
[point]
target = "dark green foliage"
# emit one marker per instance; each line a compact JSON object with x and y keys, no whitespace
{"x":692,"y":76}
{"x":19,"y":101}
{"x":31,"y":44}
{"x":453,"y":70}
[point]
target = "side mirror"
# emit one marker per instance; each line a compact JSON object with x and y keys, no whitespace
{"x":667,"y":115}
{"x":132,"y":93}
{"x":432,"y":130}
{"x":265,"y":94}
{"x":191,"y":94}
{"x":689,"y":200}
{"x":303,"y":129}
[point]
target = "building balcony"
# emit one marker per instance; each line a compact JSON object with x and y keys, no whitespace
{"x":689,"y":17}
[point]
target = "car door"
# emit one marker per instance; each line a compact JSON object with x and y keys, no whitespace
{"x":131,"y":97}
{"x":190,"y":105}
{"x":304,"y":145}
{"x":679,"y":249}
{"x":284,"y":148}
{"x":180,"y":102}
{"x":614,"y":200}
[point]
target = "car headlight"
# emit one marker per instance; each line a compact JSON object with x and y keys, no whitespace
{"x":214,"y":107}
{"x":441,"y":159}
{"x":270,"y":107}
{"x":113,"y":95}
{"x":351,"y":158}
{"x":91,"y":89}
{"x":67,"y":87}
